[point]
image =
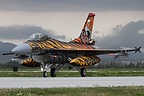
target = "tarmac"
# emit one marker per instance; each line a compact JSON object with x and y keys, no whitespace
{"x":59,"y":82}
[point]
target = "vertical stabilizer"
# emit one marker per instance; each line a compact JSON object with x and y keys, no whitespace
{"x":85,"y":36}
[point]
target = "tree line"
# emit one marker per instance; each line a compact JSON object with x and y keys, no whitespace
{"x":101,"y":65}
{"x":119,"y":64}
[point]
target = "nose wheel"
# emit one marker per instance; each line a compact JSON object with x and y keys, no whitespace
{"x":44,"y":73}
{"x":44,"y":68}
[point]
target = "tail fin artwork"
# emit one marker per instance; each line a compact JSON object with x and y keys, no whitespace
{"x":85,"y":36}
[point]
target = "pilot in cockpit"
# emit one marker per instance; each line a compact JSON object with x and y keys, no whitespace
{"x":38,"y":37}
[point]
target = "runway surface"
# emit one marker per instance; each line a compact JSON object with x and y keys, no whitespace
{"x":49,"y":82}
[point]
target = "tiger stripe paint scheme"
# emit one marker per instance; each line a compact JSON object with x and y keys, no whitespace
{"x":52,"y":44}
{"x":85,"y":61}
{"x":55,"y":44}
{"x":30,"y":63}
{"x":85,"y":36}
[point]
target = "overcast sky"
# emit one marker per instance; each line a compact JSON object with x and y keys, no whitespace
{"x":65,"y":18}
{"x":130,"y":35}
{"x":70,"y":5}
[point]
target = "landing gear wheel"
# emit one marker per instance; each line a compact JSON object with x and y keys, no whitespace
{"x":83,"y":72}
{"x":44,"y":73}
{"x":53,"y":72}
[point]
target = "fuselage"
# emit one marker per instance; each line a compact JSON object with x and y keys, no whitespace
{"x":50,"y":50}
{"x":58,"y":45}
{"x":39,"y":41}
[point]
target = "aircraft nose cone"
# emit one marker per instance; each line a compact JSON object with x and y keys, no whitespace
{"x":22,"y":49}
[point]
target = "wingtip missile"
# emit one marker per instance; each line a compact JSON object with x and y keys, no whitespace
{"x":137,"y":49}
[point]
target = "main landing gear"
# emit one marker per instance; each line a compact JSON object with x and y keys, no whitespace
{"x":83,"y":72}
{"x":53,"y":70}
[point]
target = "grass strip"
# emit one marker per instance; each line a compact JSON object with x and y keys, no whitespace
{"x":73,"y":74}
{"x":92,"y":91}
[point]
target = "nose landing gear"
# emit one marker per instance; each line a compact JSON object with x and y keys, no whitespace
{"x":45,"y":68}
{"x":44,"y":73}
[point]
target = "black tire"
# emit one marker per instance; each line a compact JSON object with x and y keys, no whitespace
{"x":53,"y":72}
{"x":83,"y":72}
{"x":44,"y":73}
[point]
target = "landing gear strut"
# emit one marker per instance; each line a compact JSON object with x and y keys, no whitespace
{"x":83,"y":72}
{"x":44,"y":68}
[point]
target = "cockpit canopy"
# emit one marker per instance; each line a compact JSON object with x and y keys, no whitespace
{"x":38,"y":37}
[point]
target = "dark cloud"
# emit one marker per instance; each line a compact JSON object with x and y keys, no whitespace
{"x":130,"y":35}
{"x":70,"y":5}
{"x":25,"y":31}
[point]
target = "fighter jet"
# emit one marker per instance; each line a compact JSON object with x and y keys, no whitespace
{"x":49,"y":53}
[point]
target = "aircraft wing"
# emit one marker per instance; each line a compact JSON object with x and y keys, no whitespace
{"x":108,"y":51}
{"x":98,"y":51}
